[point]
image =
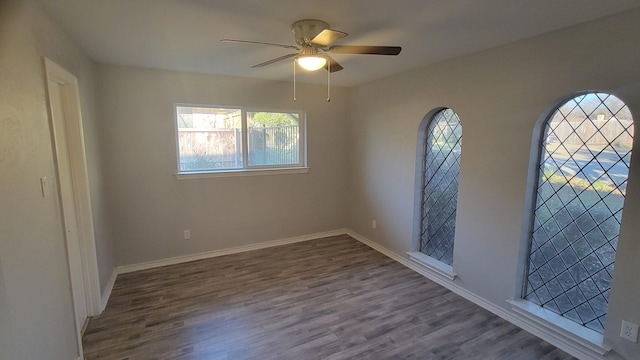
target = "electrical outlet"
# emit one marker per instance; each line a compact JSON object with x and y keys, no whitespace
{"x":374,"y":224}
{"x":187,"y":234}
{"x":629,"y":331}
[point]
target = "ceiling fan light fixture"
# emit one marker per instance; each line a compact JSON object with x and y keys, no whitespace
{"x":312,"y":62}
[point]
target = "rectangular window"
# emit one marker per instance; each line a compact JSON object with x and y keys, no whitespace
{"x":222,"y":139}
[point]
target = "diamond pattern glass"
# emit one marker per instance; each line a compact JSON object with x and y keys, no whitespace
{"x":582,"y":182}
{"x":440,"y":193}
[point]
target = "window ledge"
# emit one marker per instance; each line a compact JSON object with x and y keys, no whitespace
{"x":433,"y":265}
{"x":240,"y":172}
{"x":563,"y":329}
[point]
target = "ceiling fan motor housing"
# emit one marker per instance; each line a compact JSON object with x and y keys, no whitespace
{"x":305,"y":30}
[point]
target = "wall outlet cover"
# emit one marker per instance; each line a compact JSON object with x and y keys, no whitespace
{"x":629,"y":331}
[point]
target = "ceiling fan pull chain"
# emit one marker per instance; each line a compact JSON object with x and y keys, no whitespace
{"x":328,"y":81}
{"x":294,"y":78}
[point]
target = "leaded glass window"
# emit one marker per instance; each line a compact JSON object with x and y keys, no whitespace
{"x":583,"y":169}
{"x":443,"y":141}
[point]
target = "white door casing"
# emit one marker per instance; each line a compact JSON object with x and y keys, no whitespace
{"x":73,"y":190}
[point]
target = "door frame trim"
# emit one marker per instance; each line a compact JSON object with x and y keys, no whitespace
{"x":56,"y":75}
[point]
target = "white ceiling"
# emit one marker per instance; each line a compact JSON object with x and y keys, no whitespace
{"x":184,"y":34}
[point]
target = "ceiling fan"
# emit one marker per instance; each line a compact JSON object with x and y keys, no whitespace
{"x":314,"y":41}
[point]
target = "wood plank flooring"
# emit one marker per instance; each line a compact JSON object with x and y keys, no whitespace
{"x":332,"y":298}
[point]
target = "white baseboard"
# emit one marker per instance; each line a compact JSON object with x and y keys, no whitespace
{"x":107,"y":291}
{"x":567,"y":344}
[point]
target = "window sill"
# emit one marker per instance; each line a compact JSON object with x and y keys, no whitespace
{"x":563,"y":329}
{"x":433,"y":265}
{"x":239,"y":172}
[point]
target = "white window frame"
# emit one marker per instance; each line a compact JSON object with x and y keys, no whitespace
{"x":550,"y":326}
{"x":432,"y":265}
{"x":247,"y":169}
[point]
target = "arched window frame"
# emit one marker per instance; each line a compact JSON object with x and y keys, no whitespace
{"x":435,"y":266}
{"x":558,"y":325}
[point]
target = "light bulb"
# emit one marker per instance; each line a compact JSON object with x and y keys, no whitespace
{"x":312,"y":63}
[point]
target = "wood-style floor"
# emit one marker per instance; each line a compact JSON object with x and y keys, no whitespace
{"x":332,"y":298}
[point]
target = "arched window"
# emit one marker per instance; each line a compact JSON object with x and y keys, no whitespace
{"x":582,"y":180}
{"x":439,"y":194}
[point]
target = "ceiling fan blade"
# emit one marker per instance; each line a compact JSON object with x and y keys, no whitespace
{"x":261,"y":43}
{"x":334,"y":64}
{"x":288,"y":56}
{"x":327,"y":37}
{"x":363,"y":49}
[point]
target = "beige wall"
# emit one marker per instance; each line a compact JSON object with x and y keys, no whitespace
{"x":36,"y":318}
{"x":499,"y":95}
{"x":152,"y":207}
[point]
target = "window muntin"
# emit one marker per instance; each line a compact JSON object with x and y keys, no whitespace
{"x":443,"y":142}
{"x":212,"y":139}
{"x":583,"y":169}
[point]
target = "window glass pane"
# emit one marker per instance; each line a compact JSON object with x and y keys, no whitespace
{"x":583,"y":169}
{"x":440,"y":194}
{"x":209,"y":138}
{"x":273,"y":138}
